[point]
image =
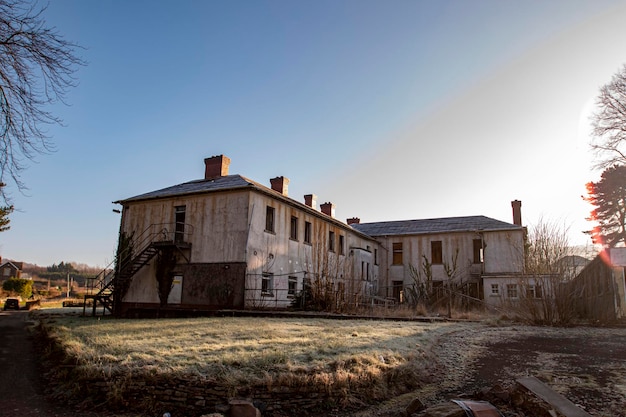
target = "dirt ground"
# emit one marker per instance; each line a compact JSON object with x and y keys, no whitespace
{"x":587,"y":365}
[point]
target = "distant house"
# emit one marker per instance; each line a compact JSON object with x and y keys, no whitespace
{"x":227,"y":242}
{"x":10,"y":269}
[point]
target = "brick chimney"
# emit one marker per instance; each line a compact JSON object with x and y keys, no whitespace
{"x":517,"y":212}
{"x":311,"y":201}
{"x":216,"y":167}
{"x":328,"y":209}
{"x":353,"y":220}
{"x":280,"y":184}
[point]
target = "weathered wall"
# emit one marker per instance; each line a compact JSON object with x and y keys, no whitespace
{"x":276,"y":252}
{"x":598,"y":291}
{"x":503,"y":253}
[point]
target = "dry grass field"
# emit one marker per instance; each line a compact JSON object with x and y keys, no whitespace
{"x":240,"y":351}
{"x":377,"y":366}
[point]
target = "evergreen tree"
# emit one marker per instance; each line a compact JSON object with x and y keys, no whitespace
{"x":4,"y":214}
{"x":608,"y":196}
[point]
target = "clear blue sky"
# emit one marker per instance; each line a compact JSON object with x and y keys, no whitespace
{"x":389,"y":109}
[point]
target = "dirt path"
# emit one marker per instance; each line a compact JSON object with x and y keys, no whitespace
{"x":21,"y":389}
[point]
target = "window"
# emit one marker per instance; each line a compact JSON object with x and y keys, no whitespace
{"x":307,"y":232}
{"x":375,"y":256}
{"x":495,"y":289}
{"x":478,"y":251}
{"x":331,"y":241}
{"x":267,"y":284}
{"x":269,"y":219}
{"x":292,"y":283}
{"x":179,"y":219}
{"x":511,"y":290}
{"x":341,"y":245}
{"x":534,"y":291}
{"x":294,"y":228}
{"x":436,"y":252}
{"x":397,"y":253}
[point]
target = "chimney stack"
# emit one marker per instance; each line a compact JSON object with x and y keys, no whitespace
{"x":216,"y":167}
{"x":353,"y":220}
{"x":517,"y":212}
{"x":280,"y":184}
{"x":311,"y":201}
{"x":328,"y":209}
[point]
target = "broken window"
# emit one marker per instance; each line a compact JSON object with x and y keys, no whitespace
{"x":179,"y":219}
{"x":267,"y":284}
{"x":478,"y":251}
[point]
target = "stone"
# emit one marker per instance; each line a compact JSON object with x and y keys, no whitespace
{"x":415,"y":406}
{"x":242,"y":408}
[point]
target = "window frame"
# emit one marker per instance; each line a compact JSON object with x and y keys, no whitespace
{"x":293,"y":232}
{"x":436,"y":252}
{"x":270,"y":219}
{"x":331,"y":241}
{"x":512,"y":291}
{"x":307,"y":232}
{"x":292,"y":286}
{"x":267,"y":284}
{"x":397,"y":253}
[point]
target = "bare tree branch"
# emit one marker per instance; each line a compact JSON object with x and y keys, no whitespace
{"x":37,"y":67}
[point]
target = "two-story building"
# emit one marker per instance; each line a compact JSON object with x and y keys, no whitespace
{"x":225,"y":241}
{"x":460,"y":251}
{"x":229,"y":242}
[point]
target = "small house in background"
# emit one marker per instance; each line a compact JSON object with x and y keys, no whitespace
{"x":599,"y":290}
{"x":10,"y":269}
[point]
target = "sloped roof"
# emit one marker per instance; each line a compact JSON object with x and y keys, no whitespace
{"x":431,"y":226}
{"x":227,"y":182}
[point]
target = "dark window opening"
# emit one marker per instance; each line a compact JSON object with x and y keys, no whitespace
{"x":436,"y":252}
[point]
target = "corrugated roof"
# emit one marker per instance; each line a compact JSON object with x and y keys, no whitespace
{"x":198,"y":186}
{"x":431,"y":226}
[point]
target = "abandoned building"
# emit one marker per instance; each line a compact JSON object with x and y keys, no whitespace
{"x":227,"y":242}
{"x":10,"y":269}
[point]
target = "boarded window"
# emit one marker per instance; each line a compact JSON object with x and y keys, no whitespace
{"x":436,"y":252}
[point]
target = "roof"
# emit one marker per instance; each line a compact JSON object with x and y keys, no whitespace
{"x":432,"y":226}
{"x":227,"y":182}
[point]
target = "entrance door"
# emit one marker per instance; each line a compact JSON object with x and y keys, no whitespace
{"x":176,"y":292}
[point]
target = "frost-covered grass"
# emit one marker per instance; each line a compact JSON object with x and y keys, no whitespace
{"x":334,"y":354}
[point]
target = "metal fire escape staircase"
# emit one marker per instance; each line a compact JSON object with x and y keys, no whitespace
{"x":108,"y":287}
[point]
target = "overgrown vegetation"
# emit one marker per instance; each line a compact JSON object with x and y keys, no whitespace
{"x":18,"y":286}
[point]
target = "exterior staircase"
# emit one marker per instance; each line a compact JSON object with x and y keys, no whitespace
{"x":108,"y":287}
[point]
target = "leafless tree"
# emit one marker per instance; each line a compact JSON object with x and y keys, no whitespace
{"x":609,"y":134}
{"x":37,"y":67}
